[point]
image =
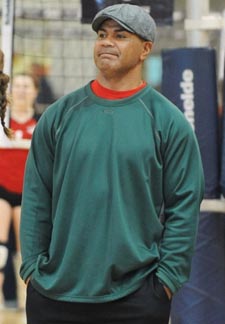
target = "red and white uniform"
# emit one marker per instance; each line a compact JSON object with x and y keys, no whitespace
{"x":12,"y":160}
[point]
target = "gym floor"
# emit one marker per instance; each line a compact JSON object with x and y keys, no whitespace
{"x":12,"y":317}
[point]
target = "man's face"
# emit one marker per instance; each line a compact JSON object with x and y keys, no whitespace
{"x":117,"y":51}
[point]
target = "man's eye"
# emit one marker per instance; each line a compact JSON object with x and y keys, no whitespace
{"x":120,"y":36}
{"x":101,"y":35}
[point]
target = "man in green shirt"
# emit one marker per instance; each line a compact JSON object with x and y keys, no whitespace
{"x":112,"y":191}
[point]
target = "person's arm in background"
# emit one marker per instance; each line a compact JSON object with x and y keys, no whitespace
{"x":183,"y":192}
{"x":36,"y":225}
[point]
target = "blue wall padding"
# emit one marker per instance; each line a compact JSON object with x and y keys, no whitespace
{"x":189,"y":81}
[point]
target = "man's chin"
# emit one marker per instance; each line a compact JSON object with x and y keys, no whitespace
{"x":106,"y":66}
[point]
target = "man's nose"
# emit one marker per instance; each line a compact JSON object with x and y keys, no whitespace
{"x":108,"y":41}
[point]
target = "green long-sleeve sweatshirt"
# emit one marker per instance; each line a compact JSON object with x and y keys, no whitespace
{"x":112,"y":192}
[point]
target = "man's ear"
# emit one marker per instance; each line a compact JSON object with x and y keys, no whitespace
{"x":147,"y":48}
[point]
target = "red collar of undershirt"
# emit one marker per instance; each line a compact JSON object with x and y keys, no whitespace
{"x":106,"y":93}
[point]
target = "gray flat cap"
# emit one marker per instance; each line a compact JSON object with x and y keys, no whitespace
{"x":133,"y":18}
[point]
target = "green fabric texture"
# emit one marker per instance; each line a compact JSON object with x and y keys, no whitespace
{"x":111,"y":192}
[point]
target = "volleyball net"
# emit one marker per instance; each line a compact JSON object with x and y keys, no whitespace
{"x":49,"y":38}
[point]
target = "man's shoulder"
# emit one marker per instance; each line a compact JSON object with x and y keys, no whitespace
{"x":56,"y":112}
{"x":159,"y":104}
{"x":164,"y":112}
{"x":67,"y":102}
{"x":72,"y":98}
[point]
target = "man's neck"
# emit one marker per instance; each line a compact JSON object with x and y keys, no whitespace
{"x":118,"y":83}
{"x":111,"y":94}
